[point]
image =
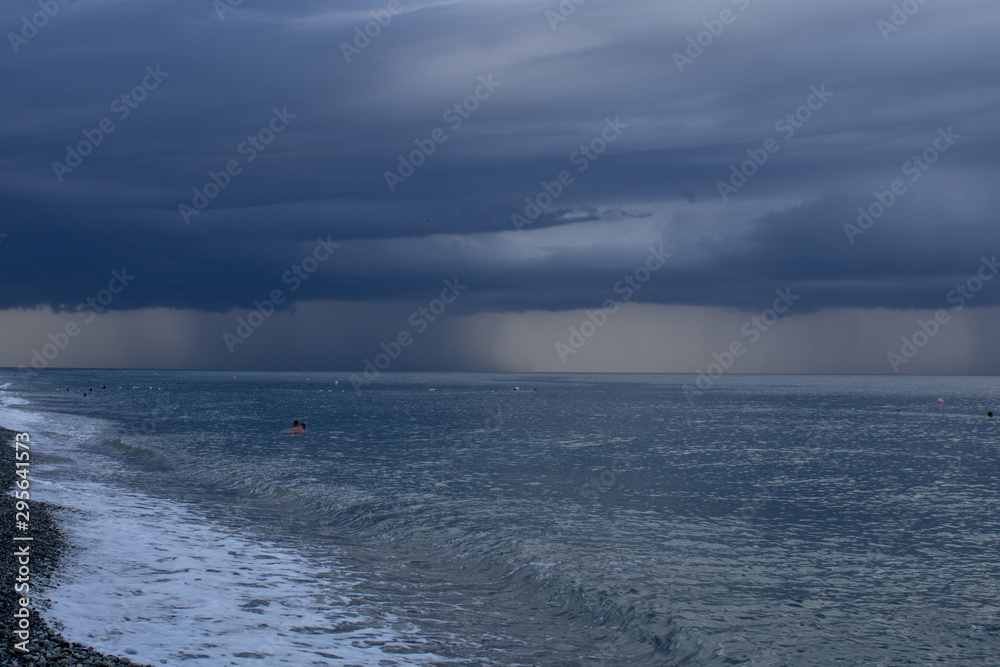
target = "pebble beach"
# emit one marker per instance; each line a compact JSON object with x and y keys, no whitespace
{"x":45,"y":645}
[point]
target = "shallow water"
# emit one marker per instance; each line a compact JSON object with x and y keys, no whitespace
{"x":602,"y":519}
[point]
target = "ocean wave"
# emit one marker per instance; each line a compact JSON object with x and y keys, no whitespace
{"x":425,"y":529}
{"x":11,"y":399}
{"x":134,"y":454}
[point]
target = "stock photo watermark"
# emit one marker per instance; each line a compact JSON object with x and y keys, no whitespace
{"x":122,"y":106}
{"x":899,"y":17}
{"x":293,"y":277}
{"x":248,"y":149}
{"x":629,"y":284}
{"x":926,"y":330}
{"x":714,"y":27}
{"x":752,"y":330}
{"x":788,"y":125}
{"x":621,"y":461}
{"x":493,"y":424}
{"x":364,"y":34}
{"x":454,"y":116}
{"x":48,"y":9}
{"x":581,"y":158}
{"x":223,"y":7}
{"x":21,"y":557}
{"x":562,"y":12}
{"x":420,"y":320}
{"x":86,"y":311}
{"x":915,"y":167}
{"x":163,"y":412}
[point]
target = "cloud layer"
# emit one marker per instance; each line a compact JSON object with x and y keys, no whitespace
{"x":535,"y":153}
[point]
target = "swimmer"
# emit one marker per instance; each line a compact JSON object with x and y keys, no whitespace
{"x":297,"y":428}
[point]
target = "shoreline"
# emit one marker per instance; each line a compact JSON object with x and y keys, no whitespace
{"x":46,"y":548}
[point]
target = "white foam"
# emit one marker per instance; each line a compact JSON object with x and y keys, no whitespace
{"x":57,"y":433}
{"x":10,"y":399}
{"x":16,"y":419}
{"x":152,"y":580}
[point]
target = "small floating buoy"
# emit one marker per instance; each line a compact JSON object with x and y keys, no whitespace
{"x":989,"y":414}
{"x":940,"y":401}
{"x":336,"y":382}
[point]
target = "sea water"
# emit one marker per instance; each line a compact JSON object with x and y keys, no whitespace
{"x":574,"y":520}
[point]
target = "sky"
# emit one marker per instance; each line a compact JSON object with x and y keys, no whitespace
{"x":485,"y":185}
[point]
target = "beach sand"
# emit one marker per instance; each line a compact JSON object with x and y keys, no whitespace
{"x":45,"y":646}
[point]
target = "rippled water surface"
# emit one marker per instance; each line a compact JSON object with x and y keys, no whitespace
{"x":581,"y":520}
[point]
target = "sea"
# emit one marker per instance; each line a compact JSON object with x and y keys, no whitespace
{"x":519,"y":519}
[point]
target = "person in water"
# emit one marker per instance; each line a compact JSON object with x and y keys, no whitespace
{"x":297,"y":428}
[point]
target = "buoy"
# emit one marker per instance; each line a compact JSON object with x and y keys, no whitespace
{"x":989,"y":414}
{"x":940,"y":401}
{"x":336,"y":382}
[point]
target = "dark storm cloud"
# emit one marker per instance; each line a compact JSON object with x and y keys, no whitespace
{"x":552,"y":91}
